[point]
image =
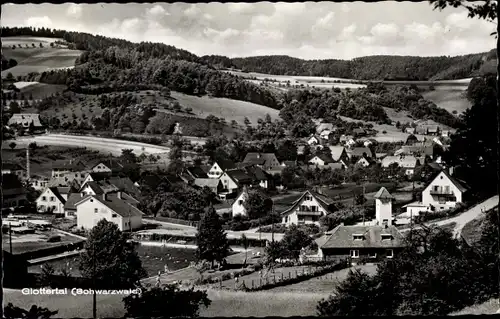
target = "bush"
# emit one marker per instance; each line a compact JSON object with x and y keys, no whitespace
{"x":428,"y":216}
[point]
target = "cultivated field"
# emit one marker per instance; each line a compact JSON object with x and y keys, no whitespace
{"x":226,"y":108}
{"x":36,"y":59}
{"x":450,"y":100}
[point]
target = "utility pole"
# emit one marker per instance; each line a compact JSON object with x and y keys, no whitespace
{"x":94,"y":296}
{"x":10,"y":238}
{"x":272,"y":227}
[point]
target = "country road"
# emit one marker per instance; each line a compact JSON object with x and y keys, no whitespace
{"x":105,"y":145}
{"x":467,"y":216}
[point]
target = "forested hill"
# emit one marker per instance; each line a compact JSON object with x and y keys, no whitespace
{"x":367,"y":68}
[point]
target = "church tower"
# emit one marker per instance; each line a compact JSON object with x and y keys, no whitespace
{"x":383,"y":207}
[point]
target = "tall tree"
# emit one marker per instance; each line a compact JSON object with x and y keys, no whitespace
{"x":293,"y":241}
{"x":211,"y":238}
{"x":109,"y":259}
{"x":257,"y":204}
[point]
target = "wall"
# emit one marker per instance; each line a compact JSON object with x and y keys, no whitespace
{"x":44,"y":206}
{"x":228,"y":183}
{"x":237,"y":208}
{"x":383,"y":210}
{"x":215,"y":171}
{"x":87,"y":218}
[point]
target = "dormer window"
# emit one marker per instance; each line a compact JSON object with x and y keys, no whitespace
{"x":358,"y":237}
{"x":386,"y":237}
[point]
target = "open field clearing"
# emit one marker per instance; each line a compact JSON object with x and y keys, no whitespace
{"x":226,"y":108}
{"x":450,"y":100}
{"x":103,"y":145}
{"x":10,"y":41}
{"x":324,"y":284}
{"x":39,"y":90}
{"x":39,"y":59}
{"x":489,"y":307}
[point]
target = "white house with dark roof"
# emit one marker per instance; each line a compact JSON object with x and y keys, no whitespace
{"x":443,"y":192}
{"x":266,"y":161}
{"x":409,"y":163}
{"x":219,"y":167}
{"x":108,"y":166}
{"x":52,"y":200}
{"x":115,"y":208}
{"x":308,"y":209}
{"x":238,"y":208}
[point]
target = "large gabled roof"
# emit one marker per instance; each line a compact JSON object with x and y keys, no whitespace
{"x":123,"y":207}
{"x":323,"y":200}
{"x":343,"y":237}
{"x":337,"y":152}
{"x":225,"y":164}
{"x":460,"y":185}
{"x":59,"y":191}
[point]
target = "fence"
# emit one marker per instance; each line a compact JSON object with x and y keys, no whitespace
{"x":276,"y":280}
{"x":176,"y":221}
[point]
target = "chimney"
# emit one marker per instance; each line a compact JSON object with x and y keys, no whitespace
{"x":119,"y":195}
{"x":28,"y":163}
{"x":104,"y":196}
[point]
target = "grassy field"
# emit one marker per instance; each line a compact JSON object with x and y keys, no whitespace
{"x":36,"y":59}
{"x":324,"y":284}
{"x":450,"y":100}
{"x":226,"y":108}
{"x":472,"y":230}
{"x":39,"y":90}
{"x":489,"y":307}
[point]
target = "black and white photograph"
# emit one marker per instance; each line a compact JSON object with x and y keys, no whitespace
{"x":260,"y":159}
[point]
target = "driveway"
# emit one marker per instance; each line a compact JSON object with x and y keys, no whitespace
{"x":467,"y":216}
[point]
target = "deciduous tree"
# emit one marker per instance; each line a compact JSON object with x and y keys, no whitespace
{"x":211,"y":238}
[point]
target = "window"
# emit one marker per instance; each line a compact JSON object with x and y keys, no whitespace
{"x":40,"y":208}
{"x":372,"y":255}
{"x":447,"y":189}
{"x":96,"y":210}
{"x":54,"y":208}
{"x":44,"y":198}
{"x":386,"y":236}
{"x":308,"y":197}
{"x":91,"y":199}
{"x":52,"y":199}
{"x":355,"y":253}
{"x":436,"y":188}
{"x":390,"y":253}
{"x":314,"y":208}
{"x":114,"y":215}
{"x":358,"y":237}
{"x":71,"y":213}
{"x":240,"y":202}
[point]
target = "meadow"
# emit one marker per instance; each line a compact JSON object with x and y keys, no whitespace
{"x":450,"y":100}
{"x":226,"y":108}
{"x":39,"y":90}
{"x":36,"y":59}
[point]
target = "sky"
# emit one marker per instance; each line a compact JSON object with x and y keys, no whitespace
{"x":309,"y":30}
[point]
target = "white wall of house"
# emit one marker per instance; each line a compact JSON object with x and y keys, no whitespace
{"x":441,"y":184}
{"x":308,"y":202}
{"x":228,"y":183}
{"x":87,"y":190}
{"x":383,"y":211}
{"x":101,"y":168}
{"x":317,"y":161}
{"x":215,"y":171}
{"x":238,"y":208}
{"x":39,"y":184}
{"x":91,"y":211}
{"x":48,"y":200}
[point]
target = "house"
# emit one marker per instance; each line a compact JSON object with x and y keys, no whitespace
{"x":300,"y":149}
{"x":95,"y":177}
{"x":358,"y":152}
{"x":52,"y":200}
{"x":39,"y":183}
{"x":308,"y":209}
{"x":219,"y":167}
{"x":321,"y":160}
{"x":26,"y":120}
{"x":374,"y":243}
{"x":215,"y":185}
{"x":69,"y":206}
{"x":339,"y":154}
{"x":232,"y":180}
{"x":443,"y":192}
{"x":238,"y":208}
{"x":409,"y":163}
{"x":14,"y":168}
{"x":62,"y":169}
{"x":65,"y":181}
{"x":112,"y":184}
{"x":13,"y":192}
{"x":364,"y":161}
{"x":115,"y":208}
{"x":411,"y":139}
{"x":313,"y":140}
{"x":267,"y":161}
{"x":419,"y":149}
{"x":359,"y":132}
{"x":108,"y":166}
{"x":320,"y":128}
{"x":258,"y":176}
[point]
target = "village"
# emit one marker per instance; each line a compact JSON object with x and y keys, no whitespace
{"x":361,"y":222}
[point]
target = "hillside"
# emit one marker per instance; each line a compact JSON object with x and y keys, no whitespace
{"x":365,"y":68}
{"x":35,"y":54}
